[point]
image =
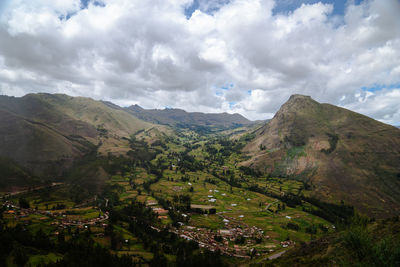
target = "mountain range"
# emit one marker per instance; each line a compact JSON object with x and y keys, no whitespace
{"x":341,"y":155}
{"x":192,"y":120}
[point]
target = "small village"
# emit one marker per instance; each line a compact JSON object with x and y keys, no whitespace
{"x":60,"y":218}
{"x":235,"y":239}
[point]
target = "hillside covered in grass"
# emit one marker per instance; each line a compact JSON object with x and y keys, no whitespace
{"x":47,"y":134}
{"x":341,"y":155}
{"x":361,"y":243}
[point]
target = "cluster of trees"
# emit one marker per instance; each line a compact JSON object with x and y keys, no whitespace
{"x":329,"y":211}
{"x":157,"y":172}
{"x":80,"y":250}
{"x":311,"y":229}
{"x":228,"y":177}
{"x":59,"y":206}
{"x":210,"y":181}
{"x":230,"y":146}
{"x":159,"y":143}
{"x":109,"y":197}
{"x":227,"y":148}
{"x":289,"y":199}
{"x":140,"y":150}
{"x":189,"y":162}
{"x":23,"y":203}
{"x":250,"y":171}
{"x":293,"y":226}
{"x":333,"y":140}
{"x":247,"y":137}
{"x":298,"y":136}
{"x":182,"y":202}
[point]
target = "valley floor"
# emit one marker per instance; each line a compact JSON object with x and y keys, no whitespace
{"x":188,"y":190}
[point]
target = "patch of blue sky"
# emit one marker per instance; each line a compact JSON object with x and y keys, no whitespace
{"x":67,"y":16}
{"x":249,"y":92}
{"x":281,"y":6}
{"x":191,"y":9}
{"x":220,"y":90}
{"x":227,"y":87}
{"x":3,"y":5}
{"x":206,"y":6}
{"x":286,"y":6}
{"x":232,"y":104}
{"x":378,"y":87}
{"x":99,"y":3}
{"x":84,"y":5}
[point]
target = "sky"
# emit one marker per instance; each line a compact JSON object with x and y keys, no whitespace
{"x":236,"y":56}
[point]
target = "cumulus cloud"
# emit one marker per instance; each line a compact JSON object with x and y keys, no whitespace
{"x":234,"y":56}
{"x":382,"y":105}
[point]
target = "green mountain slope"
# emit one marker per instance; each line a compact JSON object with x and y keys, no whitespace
{"x":47,"y":134}
{"x":35,"y":109}
{"x":37,"y":146}
{"x":342,"y":155}
{"x":96,"y":113}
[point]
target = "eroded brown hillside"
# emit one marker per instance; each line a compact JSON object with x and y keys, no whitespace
{"x":341,"y":154}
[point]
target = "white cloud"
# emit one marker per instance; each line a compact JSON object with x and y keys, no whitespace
{"x":148,"y":52}
{"x":383,"y":105}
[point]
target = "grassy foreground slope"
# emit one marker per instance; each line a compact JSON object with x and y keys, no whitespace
{"x":341,"y":155}
{"x":361,"y":243}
